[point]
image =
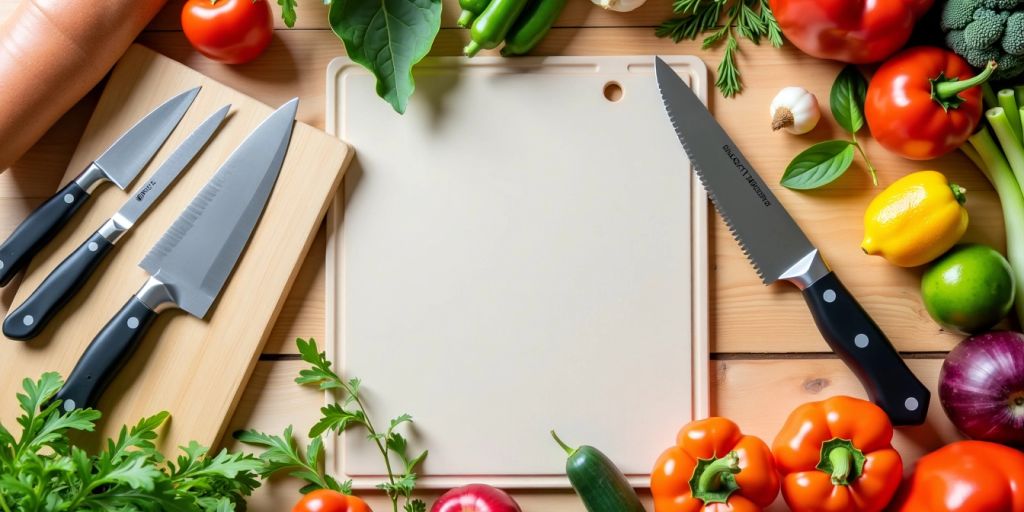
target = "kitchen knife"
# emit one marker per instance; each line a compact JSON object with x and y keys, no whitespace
{"x":190,"y":263}
{"x":29,"y":319}
{"x":120,"y":163}
{"x":779,"y":250}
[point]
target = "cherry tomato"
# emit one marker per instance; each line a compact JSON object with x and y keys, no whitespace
{"x":326,"y":500}
{"x":228,"y":31}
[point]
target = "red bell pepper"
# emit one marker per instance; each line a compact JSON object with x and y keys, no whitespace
{"x":855,"y":31}
{"x":924,"y":102}
{"x":966,"y":476}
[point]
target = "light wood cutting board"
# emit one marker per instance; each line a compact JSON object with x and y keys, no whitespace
{"x":193,"y":368}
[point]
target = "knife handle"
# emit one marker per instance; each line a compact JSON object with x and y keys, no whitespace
{"x":105,"y":356}
{"x":29,"y":319}
{"x":38,"y":228}
{"x":862,"y":345}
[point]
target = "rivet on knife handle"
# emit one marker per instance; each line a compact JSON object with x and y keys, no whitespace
{"x":38,"y":228}
{"x":862,"y":345}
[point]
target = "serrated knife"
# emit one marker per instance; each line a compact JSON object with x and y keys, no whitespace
{"x":29,"y":319}
{"x":120,"y":164}
{"x":193,"y":259}
{"x":779,"y":251}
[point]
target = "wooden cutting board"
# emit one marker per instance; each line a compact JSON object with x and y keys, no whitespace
{"x":193,"y":368}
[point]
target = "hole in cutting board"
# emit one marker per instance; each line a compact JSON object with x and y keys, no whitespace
{"x":612,"y":91}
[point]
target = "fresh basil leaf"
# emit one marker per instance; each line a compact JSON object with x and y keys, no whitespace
{"x":818,"y":165}
{"x":287,"y":12}
{"x":387,"y":37}
{"x":847,"y":99}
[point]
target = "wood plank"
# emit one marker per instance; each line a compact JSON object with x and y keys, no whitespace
{"x":272,"y":401}
{"x":312,"y":14}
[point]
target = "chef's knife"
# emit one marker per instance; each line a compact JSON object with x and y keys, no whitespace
{"x":779,"y":250}
{"x":120,"y":163}
{"x":29,"y":319}
{"x":190,"y":263}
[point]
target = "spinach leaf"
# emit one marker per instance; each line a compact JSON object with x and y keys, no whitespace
{"x":388,"y":37}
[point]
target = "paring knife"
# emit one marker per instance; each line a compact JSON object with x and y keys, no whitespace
{"x":779,"y":250}
{"x":120,"y":163}
{"x":190,"y":263}
{"x":29,"y":319}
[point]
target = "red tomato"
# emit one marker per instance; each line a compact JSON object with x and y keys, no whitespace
{"x":228,"y":31}
{"x":326,"y":500}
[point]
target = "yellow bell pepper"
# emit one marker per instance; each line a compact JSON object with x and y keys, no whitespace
{"x":915,"y":220}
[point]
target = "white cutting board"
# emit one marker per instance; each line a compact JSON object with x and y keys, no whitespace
{"x":518,"y":253}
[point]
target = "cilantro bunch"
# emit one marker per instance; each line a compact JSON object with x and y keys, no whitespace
{"x":283,"y":454}
{"x":41,"y":470}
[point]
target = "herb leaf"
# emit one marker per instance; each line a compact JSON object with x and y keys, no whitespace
{"x":847,"y":99}
{"x":288,"y":11}
{"x":387,"y":37}
{"x":819,"y":165}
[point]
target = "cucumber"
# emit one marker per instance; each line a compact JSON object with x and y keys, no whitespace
{"x":470,"y":10}
{"x":597,"y":481}
{"x":490,"y":26}
{"x":531,"y":27}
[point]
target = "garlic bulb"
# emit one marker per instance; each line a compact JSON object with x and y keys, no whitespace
{"x":795,"y":109}
{"x":619,"y":5}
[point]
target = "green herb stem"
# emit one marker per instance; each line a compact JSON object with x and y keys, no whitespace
{"x":867,"y":161}
{"x":1008,"y":102}
{"x":996,"y":168}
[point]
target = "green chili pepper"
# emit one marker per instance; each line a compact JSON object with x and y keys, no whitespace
{"x":470,"y":10}
{"x":492,"y":24}
{"x":531,"y":27}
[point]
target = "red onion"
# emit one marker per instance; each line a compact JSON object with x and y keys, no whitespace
{"x":981,"y":387}
{"x":475,"y":498}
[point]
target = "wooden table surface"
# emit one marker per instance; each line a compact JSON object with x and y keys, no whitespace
{"x":767,"y":355}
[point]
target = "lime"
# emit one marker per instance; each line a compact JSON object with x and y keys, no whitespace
{"x":968,"y":289}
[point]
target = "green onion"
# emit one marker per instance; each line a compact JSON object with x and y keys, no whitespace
{"x":985,"y":153}
{"x":1008,"y":101}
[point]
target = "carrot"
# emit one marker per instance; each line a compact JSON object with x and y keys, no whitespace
{"x":52,"y":52}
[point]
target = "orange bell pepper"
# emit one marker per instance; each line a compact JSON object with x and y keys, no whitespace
{"x":715,"y":468}
{"x":966,"y":476}
{"x":837,"y":456}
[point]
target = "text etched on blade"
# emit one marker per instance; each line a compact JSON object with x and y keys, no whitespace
{"x":145,"y":190}
{"x":747,"y":174}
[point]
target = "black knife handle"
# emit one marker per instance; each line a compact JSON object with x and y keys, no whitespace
{"x":864,"y":348}
{"x":29,"y":319}
{"x":105,"y":356}
{"x":38,"y":228}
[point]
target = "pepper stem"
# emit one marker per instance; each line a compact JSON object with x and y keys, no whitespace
{"x":841,"y":460}
{"x":959,"y":193}
{"x":946,"y":91}
{"x":713,"y":480}
{"x":568,"y":449}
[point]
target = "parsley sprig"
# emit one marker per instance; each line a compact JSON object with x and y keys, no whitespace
{"x":751,"y":19}
{"x":283,"y":454}
{"x":41,"y":470}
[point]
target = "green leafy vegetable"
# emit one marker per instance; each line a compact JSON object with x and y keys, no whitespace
{"x":387,"y":37}
{"x":282,"y":453}
{"x":825,"y":162}
{"x":847,"y":99}
{"x":818,"y":165}
{"x":41,"y":470}
{"x":751,"y":19}
{"x":288,"y":11}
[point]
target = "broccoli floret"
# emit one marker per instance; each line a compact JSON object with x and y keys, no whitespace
{"x":984,"y":30}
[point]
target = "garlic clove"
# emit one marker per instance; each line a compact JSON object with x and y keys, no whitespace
{"x":619,"y":5}
{"x":795,"y":110}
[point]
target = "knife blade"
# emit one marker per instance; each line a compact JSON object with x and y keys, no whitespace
{"x":29,"y":319}
{"x":120,"y":163}
{"x":191,"y":262}
{"x":779,"y":251}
